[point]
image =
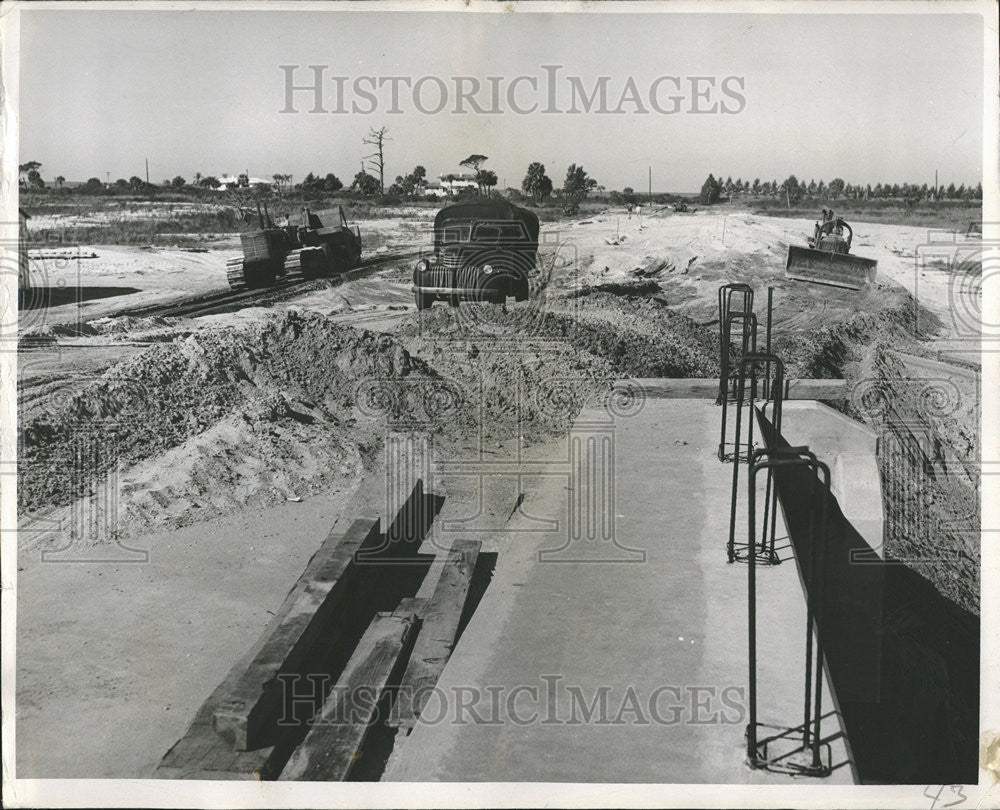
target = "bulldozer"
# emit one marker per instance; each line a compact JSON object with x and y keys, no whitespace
{"x":312,"y":245}
{"x":828,"y":258}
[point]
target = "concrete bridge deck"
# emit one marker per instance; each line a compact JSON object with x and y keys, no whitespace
{"x":611,"y":645}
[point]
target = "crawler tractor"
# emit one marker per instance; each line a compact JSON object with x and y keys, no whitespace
{"x":312,"y":245}
{"x":828,"y":258}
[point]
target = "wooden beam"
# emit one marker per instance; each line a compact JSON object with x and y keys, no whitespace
{"x":437,"y":636}
{"x":202,"y":753}
{"x":247,"y":714}
{"x":708,"y":388}
{"x":817,"y":389}
{"x":337,"y":734}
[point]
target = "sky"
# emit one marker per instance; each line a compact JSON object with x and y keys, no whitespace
{"x":866,"y":97}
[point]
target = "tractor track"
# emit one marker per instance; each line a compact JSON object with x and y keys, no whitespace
{"x":232,"y":300}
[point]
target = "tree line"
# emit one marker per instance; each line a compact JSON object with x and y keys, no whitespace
{"x":369,"y":182}
{"x":536,"y":185}
{"x":793,"y":190}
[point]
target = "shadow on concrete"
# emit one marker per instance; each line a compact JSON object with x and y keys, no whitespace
{"x":43,"y":297}
{"x":903,"y":660}
{"x":482,"y":576}
{"x":407,"y":531}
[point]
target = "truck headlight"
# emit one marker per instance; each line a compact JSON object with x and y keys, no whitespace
{"x":422,"y":265}
{"x":487,"y":268}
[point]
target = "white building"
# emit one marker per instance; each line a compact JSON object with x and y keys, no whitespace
{"x":228,"y":181}
{"x":435,"y":190}
{"x":454,"y":184}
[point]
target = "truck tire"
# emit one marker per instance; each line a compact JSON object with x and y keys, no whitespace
{"x":424,"y":300}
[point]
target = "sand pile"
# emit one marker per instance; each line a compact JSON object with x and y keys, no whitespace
{"x":252,"y":392}
{"x":635,"y":337}
{"x":281,"y":407}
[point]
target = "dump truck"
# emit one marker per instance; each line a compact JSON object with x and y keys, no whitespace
{"x":310,"y":245}
{"x":828,"y":258}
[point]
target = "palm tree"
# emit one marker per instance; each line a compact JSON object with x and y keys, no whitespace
{"x":24,"y":169}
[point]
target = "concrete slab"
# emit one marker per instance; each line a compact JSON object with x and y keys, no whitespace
{"x":612,"y":645}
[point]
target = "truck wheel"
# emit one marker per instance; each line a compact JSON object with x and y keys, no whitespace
{"x":424,"y":300}
{"x":521,"y":292}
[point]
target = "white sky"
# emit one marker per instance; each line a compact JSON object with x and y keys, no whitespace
{"x":870,"y":98}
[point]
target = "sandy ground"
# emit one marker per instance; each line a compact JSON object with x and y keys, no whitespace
{"x":114,"y":658}
{"x":132,"y":649}
{"x":73,"y":291}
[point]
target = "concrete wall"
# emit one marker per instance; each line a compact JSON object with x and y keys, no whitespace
{"x":850,"y":450}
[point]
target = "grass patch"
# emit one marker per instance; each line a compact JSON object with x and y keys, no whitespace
{"x":947,"y":214}
{"x":175,"y":228}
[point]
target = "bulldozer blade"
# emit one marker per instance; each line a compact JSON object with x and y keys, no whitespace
{"x":824,"y":267}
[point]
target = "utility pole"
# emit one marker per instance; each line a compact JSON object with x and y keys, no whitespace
{"x":935,"y":184}
{"x":108,"y":175}
{"x":650,"y":183}
{"x":147,"y":171}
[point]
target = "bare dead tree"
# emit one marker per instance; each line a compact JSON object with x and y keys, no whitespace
{"x":376,"y":160}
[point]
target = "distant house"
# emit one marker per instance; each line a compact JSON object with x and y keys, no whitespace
{"x":228,"y":181}
{"x":454,"y":184}
{"x":435,"y":190}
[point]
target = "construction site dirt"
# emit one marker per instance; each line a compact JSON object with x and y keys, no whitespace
{"x":222,"y":423}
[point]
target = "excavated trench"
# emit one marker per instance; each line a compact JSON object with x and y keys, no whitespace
{"x":926,"y":417}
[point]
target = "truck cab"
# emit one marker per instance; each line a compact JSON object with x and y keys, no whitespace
{"x":483,"y":251}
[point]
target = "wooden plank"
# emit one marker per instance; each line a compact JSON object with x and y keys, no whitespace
{"x":335,"y":739}
{"x":247,"y":714}
{"x":411,"y":606}
{"x":437,"y":636}
{"x":201,"y":750}
{"x":817,"y":389}
{"x":675,"y":388}
{"x":704,"y":388}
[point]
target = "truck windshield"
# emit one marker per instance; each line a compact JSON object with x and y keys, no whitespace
{"x":455,"y":232}
{"x":499,"y":232}
{"x":508,"y":232}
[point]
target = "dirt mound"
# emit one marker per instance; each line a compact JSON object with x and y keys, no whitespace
{"x":637,"y":337}
{"x":120,"y":328}
{"x":641,"y":288}
{"x":279,"y":408}
{"x":128,"y":327}
{"x":292,"y":368}
{"x":832,"y":350}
